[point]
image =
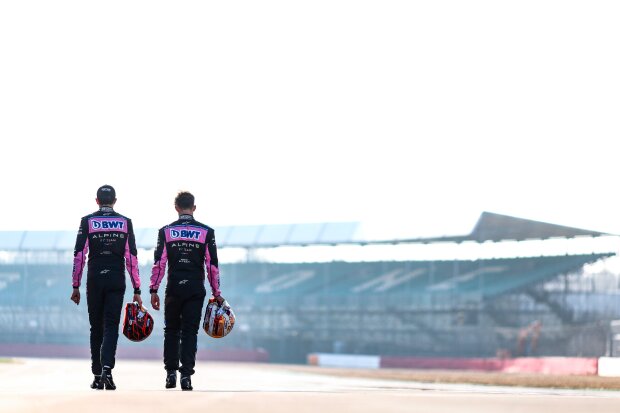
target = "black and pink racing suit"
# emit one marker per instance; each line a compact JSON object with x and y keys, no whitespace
{"x":108,"y":239}
{"x":189,"y":249}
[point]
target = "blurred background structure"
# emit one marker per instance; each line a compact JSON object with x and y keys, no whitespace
{"x":512,"y":287}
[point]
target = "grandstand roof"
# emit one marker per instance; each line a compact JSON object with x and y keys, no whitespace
{"x":490,"y":227}
{"x":498,"y":227}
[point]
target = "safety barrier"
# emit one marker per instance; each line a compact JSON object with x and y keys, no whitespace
{"x":609,"y":366}
{"x":344,"y":360}
{"x":536,"y":365}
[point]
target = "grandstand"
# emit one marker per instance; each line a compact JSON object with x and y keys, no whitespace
{"x":518,"y":305}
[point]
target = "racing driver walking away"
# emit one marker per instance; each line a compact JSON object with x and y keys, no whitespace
{"x":188,"y":246}
{"x":108,"y":239}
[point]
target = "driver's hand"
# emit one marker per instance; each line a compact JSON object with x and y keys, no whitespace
{"x":75,"y":296}
{"x":219,"y":299}
{"x":137,"y":299}
{"x":155,"y":301}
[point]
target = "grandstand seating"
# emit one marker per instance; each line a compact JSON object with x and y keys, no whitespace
{"x":486,"y":278}
{"x":439,"y":308}
{"x":411,"y":307}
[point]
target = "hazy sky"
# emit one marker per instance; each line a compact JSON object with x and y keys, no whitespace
{"x":411,"y":117}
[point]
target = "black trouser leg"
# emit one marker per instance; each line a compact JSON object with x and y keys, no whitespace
{"x":113,"y":305}
{"x":190,"y":322}
{"x":94,"y":302}
{"x":172,"y":331}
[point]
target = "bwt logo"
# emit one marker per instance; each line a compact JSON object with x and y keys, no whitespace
{"x":185,"y":233}
{"x":108,"y":224}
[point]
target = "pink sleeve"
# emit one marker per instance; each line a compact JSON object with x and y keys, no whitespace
{"x":213,"y":274}
{"x":131,"y":263}
{"x":159,"y":269}
{"x":79,"y":260}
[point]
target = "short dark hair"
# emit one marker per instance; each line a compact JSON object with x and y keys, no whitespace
{"x":184,"y":200}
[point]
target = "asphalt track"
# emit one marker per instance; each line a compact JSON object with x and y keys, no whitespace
{"x":44,"y":385}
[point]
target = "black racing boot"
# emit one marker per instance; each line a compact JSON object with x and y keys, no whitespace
{"x":106,"y":380}
{"x":171,"y":379}
{"x":95,"y":383}
{"x":186,"y":383}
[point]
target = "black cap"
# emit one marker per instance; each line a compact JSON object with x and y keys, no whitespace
{"x":106,"y":194}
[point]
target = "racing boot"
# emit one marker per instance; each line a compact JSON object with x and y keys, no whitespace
{"x":171,"y":379}
{"x":95,"y":383}
{"x":106,"y":379}
{"x":186,"y":383}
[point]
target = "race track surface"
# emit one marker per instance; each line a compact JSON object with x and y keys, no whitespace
{"x":44,"y":385}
